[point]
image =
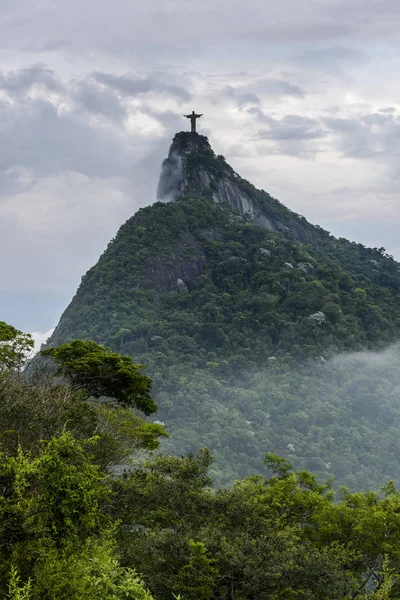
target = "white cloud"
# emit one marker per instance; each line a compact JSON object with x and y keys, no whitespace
{"x":40,"y":338}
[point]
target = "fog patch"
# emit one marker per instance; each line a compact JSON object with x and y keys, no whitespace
{"x":40,"y":338}
{"x":337,"y":417}
{"x":386,"y":359}
{"x":171,"y":178}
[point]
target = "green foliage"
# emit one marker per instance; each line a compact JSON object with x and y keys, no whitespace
{"x":254,"y":540}
{"x":91,"y":571}
{"x":99,"y":372}
{"x":17,"y":591}
{"x":264,"y":538}
{"x":14,"y":347}
{"x":56,"y":493}
{"x":55,"y":540}
{"x":38,"y":407}
{"x":386,"y":584}
{"x":278,"y":465}
{"x":71,"y":486}
{"x":196,"y":580}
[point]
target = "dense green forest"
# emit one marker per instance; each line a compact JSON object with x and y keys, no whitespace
{"x":244,"y":316}
{"x":73,"y":525}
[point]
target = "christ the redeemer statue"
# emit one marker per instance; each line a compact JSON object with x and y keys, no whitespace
{"x":193,"y":118}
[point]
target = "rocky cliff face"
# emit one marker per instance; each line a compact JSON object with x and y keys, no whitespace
{"x":193,"y":169}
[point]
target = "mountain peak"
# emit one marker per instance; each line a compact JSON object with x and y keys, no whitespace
{"x":192,"y":169}
{"x":187,"y":142}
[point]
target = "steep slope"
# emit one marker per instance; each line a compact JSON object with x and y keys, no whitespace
{"x":237,"y":305}
{"x":192,"y":169}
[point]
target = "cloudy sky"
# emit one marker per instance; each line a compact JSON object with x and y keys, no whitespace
{"x":301,"y":98}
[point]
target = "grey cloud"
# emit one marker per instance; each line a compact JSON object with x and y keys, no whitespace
{"x":293,"y":135}
{"x":279,"y":87}
{"x":35,"y":136}
{"x":99,"y":100}
{"x":379,"y":16}
{"x":384,"y":362}
{"x":248,"y":95}
{"x":38,"y":140}
{"x":296,"y":148}
{"x":157,"y":28}
{"x":239,"y":96}
{"x":298,"y":30}
{"x":378,"y":119}
{"x":172,"y":121}
{"x":82,"y":181}
{"x":248,"y":98}
{"x":343,"y":125}
{"x":373,"y":135}
{"x":332,"y":52}
{"x":291,"y":127}
{"x":238,"y":150}
{"x":131,"y":86}
{"x":51,"y":46}
{"x":17,"y":82}
{"x":332,"y":57}
{"x":259,"y":114}
{"x":171,"y":178}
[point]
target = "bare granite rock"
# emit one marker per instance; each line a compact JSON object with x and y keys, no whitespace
{"x":182,"y":287}
{"x":317,"y":318}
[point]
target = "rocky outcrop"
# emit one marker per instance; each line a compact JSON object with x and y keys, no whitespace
{"x":228,"y":194}
{"x":192,"y":169}
{"x":317,"y":318}
{"x":306,"y":267}
{"x":182,"y":287}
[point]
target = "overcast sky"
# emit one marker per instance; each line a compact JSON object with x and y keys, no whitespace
{"x":301,"y":98}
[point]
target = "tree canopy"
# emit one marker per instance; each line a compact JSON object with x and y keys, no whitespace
{"x":99,"y":372}
{"x":15,"y":346}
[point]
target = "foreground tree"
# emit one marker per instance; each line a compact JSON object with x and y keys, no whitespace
{"x":97,"y":371}
{"x":15,"y":346}
{"x":55,"y":540}
{"x":38,"y":405}
{"x":263,"y":538}
{"x":244,"y":542}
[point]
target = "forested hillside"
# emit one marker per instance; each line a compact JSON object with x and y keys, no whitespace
{"x":239,"y":309}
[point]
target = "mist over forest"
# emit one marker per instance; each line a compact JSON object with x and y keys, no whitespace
{"x":338,"y":417}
